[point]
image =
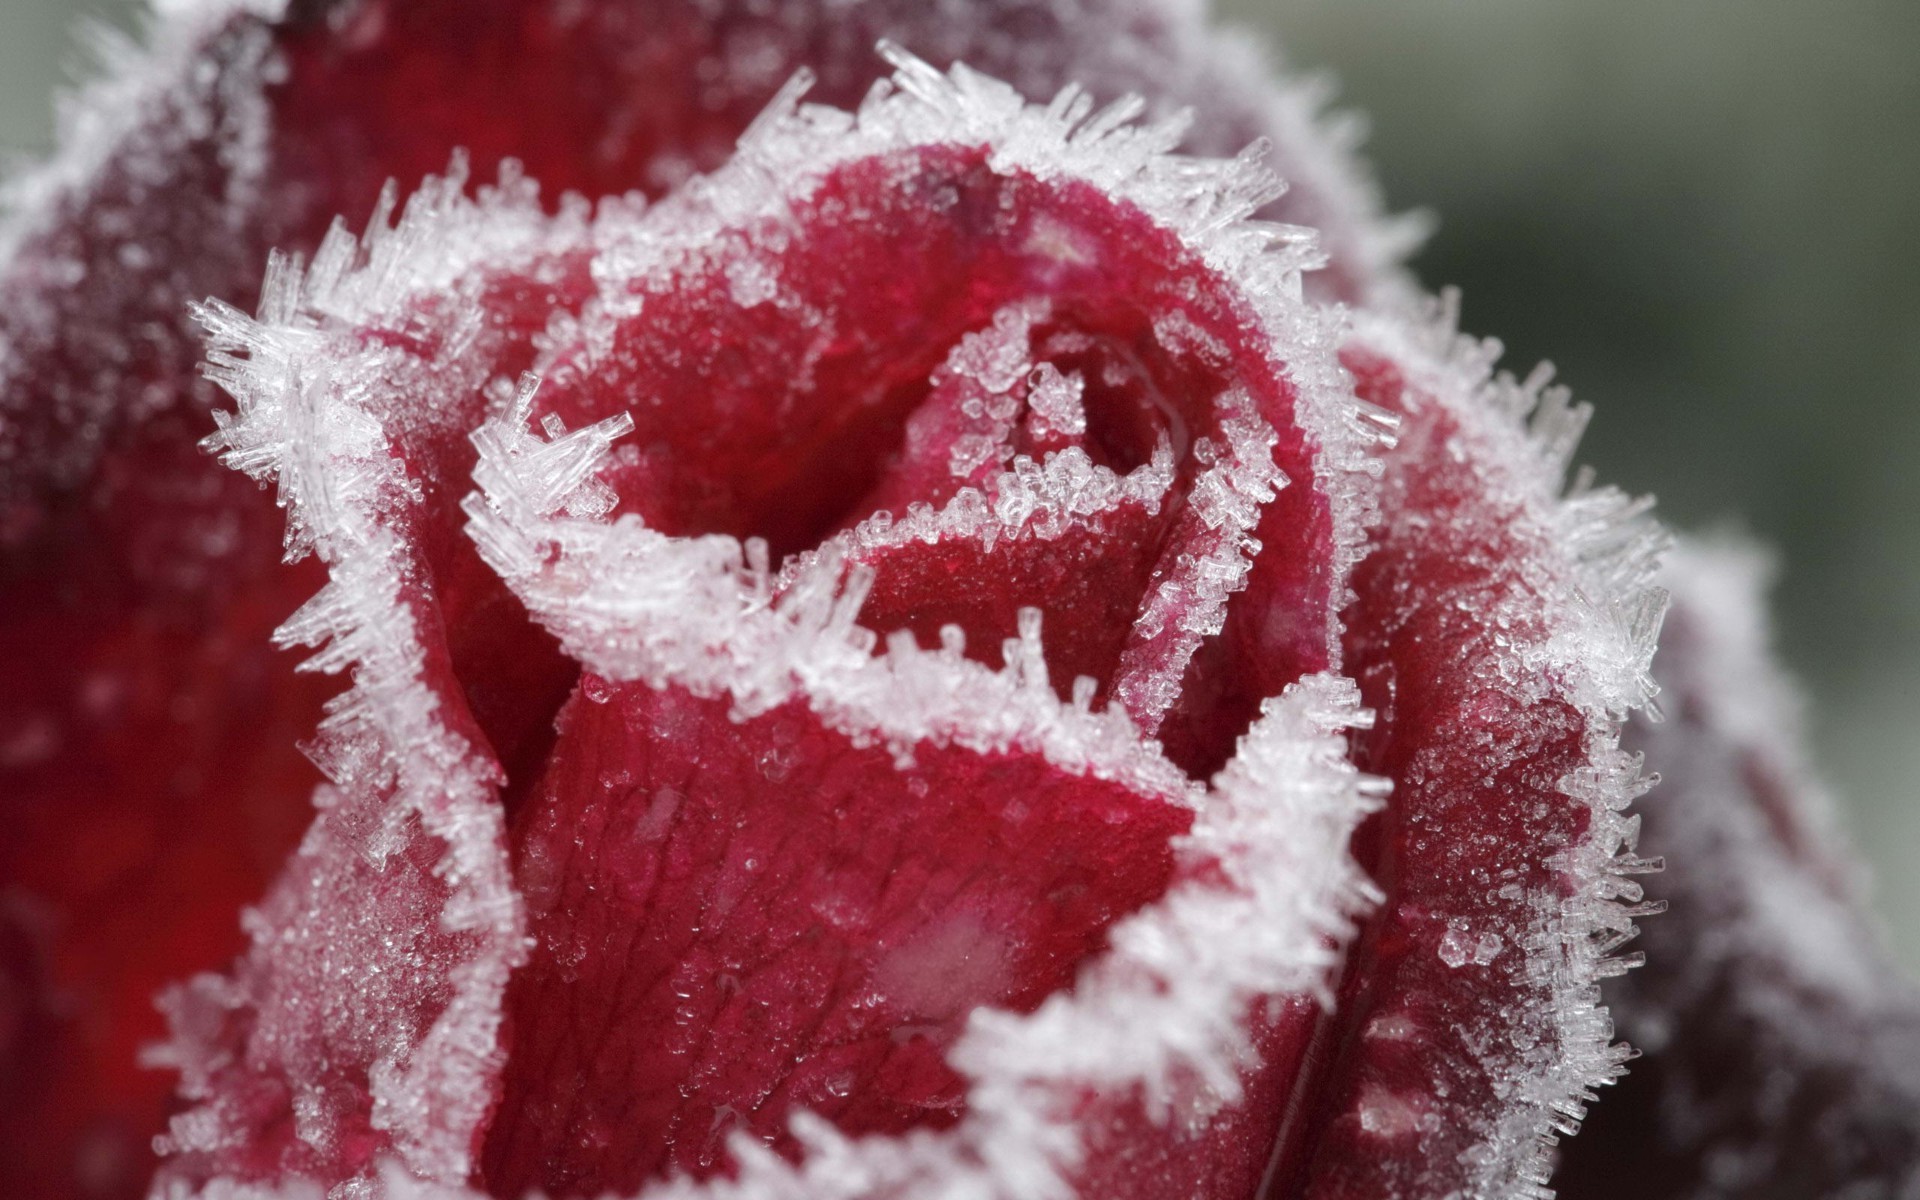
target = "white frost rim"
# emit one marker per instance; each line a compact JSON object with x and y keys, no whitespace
{"x":1603,"y":609}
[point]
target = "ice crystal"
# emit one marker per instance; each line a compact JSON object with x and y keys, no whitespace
{"x":1769,"y":1008}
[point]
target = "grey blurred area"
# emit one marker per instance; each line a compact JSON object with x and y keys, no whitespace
{"x":1704,"y":212}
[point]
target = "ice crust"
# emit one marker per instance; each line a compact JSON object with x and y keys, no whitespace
{"x":631,"y":603}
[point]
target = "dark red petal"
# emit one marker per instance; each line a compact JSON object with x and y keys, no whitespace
{"x":1782,"y":1045}
{"x":604,"y":97}
{"x":739,"y":919}
{"x":134,"y":831}
{"x":1500,"y":632}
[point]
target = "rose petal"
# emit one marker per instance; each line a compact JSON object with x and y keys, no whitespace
{"x":1501,"y":633}
{"x":740,"y":919}
{"x":1783,"y":1047}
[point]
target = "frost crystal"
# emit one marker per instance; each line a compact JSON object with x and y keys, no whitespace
{"x":1783,"y":1048}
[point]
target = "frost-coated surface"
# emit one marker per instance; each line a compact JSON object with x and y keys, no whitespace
{"x":1502,"y":631}
{"x":148,"y":726}
{"x":1783,"y":1047}
{"x":698,"y":612}
{"x":896,"y":643}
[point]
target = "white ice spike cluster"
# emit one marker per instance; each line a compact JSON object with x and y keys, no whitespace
{"x":1601,"y":608}
{"x":411,"y":806}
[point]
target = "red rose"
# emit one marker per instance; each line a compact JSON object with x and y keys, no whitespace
{"x":910,"y":641}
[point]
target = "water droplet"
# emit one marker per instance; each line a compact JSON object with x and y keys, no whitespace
{"x":1386,"y":1114}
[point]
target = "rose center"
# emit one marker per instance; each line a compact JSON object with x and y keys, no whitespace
{"x":745,"y":914}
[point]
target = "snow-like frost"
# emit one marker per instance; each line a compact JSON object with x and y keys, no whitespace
{"x":128,"y":77}
{"x":404,"y":780}
{"x":1794,"y":894}
{"x":1594,"y":583}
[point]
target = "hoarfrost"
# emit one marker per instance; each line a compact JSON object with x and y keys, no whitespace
{"x":1783,"y":1044}
{"x":1577,"y":619}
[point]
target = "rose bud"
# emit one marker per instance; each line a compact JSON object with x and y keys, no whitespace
{"x":924,"y":659}
{"x":150,"y":770}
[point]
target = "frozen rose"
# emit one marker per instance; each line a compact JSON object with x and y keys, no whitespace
{"x":925,"y":658}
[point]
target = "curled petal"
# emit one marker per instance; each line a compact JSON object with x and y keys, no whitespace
{"x":1502,"y":630}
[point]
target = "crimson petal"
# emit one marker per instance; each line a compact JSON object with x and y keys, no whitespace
{"x":1501,"y":632}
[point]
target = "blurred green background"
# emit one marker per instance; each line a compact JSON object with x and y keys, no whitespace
{"x":1704,"y":212}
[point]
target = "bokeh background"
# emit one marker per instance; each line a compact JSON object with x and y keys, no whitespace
{"x":1706,"y":213}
